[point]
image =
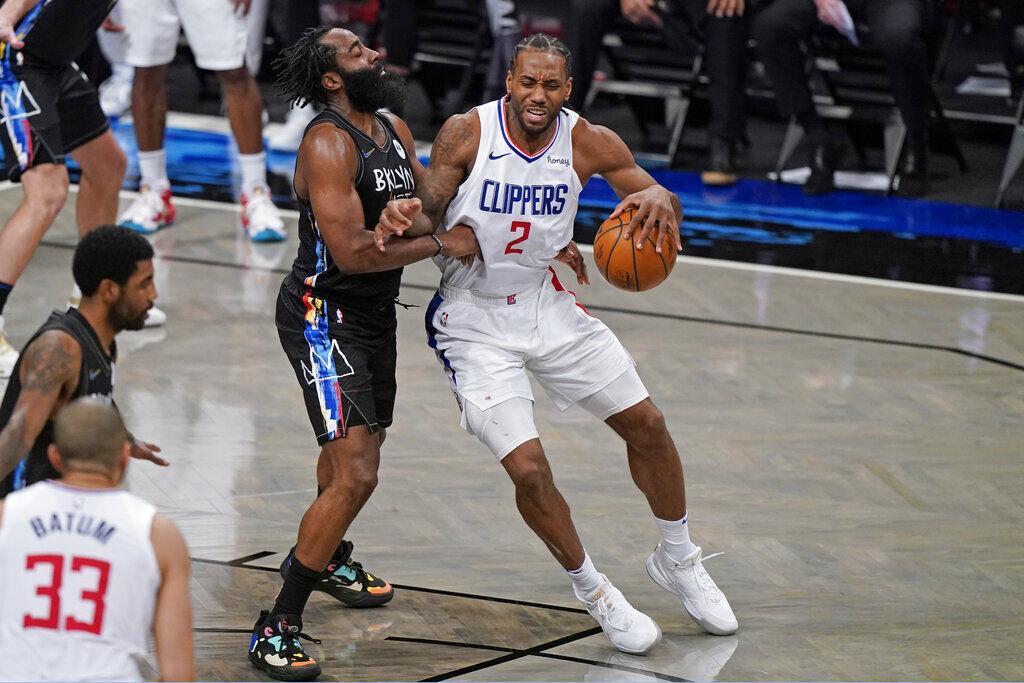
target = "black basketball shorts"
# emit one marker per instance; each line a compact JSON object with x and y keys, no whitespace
{"x":344,"y":359}
{"x":45,"y":113}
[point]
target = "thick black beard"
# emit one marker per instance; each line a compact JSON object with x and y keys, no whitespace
{"x":120,"y":319}
{"x":370,"y":89}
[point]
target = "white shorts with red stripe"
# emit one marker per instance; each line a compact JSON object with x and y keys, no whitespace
{"x":487,"y":343}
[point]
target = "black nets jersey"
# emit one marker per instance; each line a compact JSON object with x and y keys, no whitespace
{"x":96,"y":378}
{"x":56,"y":32}
{"x":385,"y":173}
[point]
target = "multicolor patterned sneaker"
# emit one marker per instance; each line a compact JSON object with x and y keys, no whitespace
{"x":345,"y":580}
{"x":275,"y":648}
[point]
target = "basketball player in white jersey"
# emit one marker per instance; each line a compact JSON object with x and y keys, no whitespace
{"x":513,"y":170}
{"x":87,"y":570}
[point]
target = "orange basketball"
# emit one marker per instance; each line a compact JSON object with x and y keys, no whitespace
{"x":622,"y":264}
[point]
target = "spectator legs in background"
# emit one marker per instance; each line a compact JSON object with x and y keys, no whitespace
{"x":116,"y":91}
{"x":256,"y":22}
{"x":300,"y":15}
{"x":505,"y":33}
{"x":725,"y":58}
{"x":400,"y":36}
{"x":1012,"y":25}
{"x":591,"y":20}
{"x":778,"y":29}
{"x":898,"y":29}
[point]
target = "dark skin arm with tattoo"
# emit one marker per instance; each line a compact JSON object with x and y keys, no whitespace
{"x":49,"y":375}
{"x":598,"y":150}
{"x":451,"y":160}
{"x":325,"y":173}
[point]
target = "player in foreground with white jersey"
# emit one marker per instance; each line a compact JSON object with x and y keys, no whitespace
{"x":88,"y":570}
{"x":512,"y":170}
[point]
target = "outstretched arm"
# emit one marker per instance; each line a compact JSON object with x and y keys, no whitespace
{"x":49,"y":374}
{"x":451,"y":159}
{"x":598,"y":150}
{"x":327,"y":165}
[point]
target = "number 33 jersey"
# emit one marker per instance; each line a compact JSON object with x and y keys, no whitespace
{"x":78,"y":583}
{"x":521,"y":206}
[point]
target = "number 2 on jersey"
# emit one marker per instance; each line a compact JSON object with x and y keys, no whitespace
{"x":52,"y":591}
{"x":518,"y":225}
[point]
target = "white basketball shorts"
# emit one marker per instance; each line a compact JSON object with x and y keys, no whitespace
{"x":216,"y":33}
{"x":487,"y":344}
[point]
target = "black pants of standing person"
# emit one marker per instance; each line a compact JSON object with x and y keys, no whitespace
{"x":725,"y":62}
{"x":725,"y":58}
{"x":898,"y":30}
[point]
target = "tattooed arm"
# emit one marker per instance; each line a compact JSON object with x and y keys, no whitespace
{"x":49,"y":374}
{"x":451,"y":160}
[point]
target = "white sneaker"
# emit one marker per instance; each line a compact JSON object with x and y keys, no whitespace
{"x":149,"y":211}
{"x":155,"y":318}
{"x":629,"y":629}
{"x":288,"y":135}
{"x":261,"y":219}
{"x":116,"y":93}
{"x":8,"y":354}
{"x":688,"y":580}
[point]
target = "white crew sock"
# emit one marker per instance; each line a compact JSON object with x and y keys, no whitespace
{"x":586,"y":579}
{"x":675,"y":538}
{"x":254,"y":172}
{"x":153,"y":168}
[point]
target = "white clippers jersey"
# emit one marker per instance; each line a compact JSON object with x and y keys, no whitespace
{"x":522,"y":207}
{"x":78,"y":583}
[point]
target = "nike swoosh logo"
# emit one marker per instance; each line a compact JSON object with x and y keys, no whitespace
{"x":94,"y":374}
{"x":491,"y":155}
{"x":367,"y":154}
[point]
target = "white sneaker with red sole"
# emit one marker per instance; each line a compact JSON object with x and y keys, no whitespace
{"x":261,"y":219}
{"x":149,"y":211}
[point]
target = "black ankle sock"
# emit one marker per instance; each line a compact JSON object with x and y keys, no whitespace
{"x":5,"y":291}
{"x":298,"y":584}
{"x":814,"y":127}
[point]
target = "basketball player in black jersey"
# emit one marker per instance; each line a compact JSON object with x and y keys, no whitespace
{"x":73,"y":353}
{"x":48,"y":109}
{"x":336,"y":313}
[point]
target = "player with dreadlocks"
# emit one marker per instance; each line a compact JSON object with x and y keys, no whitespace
{"x":336,"y":316}
{"x":513,"y":170}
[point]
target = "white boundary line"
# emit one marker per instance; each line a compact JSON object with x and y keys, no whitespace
{"x":702,"y":261}
{"x":838,"y":277}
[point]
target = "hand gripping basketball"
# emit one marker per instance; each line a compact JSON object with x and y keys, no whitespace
{"x":655,"y":210}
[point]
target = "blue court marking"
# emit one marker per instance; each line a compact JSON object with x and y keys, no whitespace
{"x":199,"y":161}
{"x":847,"y":232}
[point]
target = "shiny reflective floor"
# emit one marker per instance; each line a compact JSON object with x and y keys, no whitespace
{"x":854,"y":448}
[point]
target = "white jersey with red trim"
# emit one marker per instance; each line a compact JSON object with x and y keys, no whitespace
{"x":78,"y":583}
{"x":521,"y":206}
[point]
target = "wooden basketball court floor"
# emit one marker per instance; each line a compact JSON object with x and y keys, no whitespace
{"x":855,"y":448}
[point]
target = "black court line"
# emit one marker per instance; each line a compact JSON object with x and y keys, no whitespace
{"x":222,"y":630}
{"x":509,"y":653}
{"x":231,"y":563}
{"x":546,"y":655}
{"x":452,"y":643}
{"x":416,"y":589}
{"x":655,"y":314}
{"x":249,"y":558}
{"x":519,"y":654}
